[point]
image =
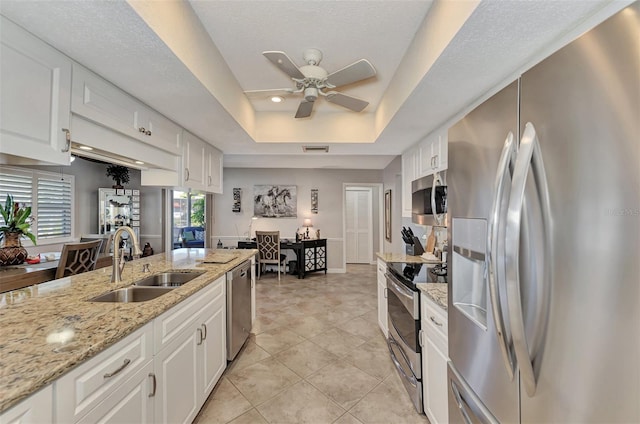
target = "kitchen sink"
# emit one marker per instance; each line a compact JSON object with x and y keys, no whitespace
{"x":132,"y":294}
{"x":168,"y":279}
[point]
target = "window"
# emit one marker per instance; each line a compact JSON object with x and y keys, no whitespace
{"x":50,"y":197}
{"x":188,"y":210}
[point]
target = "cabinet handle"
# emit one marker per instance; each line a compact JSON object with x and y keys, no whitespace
{"x":435,"y":322}
{"x":67,"y":136}
{"x":142,"y":130}
{"x":200,"y":334}
{"x":148,"y":132}
{"x":386,"y":296}
{"x":123,"y":366}
{"x":186,"y":172}
{"x":204,"y":326}
{"x":153,"y":376}
{"x":435,"y":161}
{"x":420,"y":338}
{"x":209,"y":179}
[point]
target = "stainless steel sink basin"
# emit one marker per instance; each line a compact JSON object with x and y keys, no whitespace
{"x":132,"y":294}
{"x":169,"y":279}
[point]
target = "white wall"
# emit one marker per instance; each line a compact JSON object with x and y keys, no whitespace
{"x":392,"y":180}
{"x":229,"y":226}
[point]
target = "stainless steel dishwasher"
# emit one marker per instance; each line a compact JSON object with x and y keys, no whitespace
{"x":238,"y":308}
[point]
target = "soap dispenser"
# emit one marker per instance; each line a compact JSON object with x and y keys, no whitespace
{"x":219,"y":244}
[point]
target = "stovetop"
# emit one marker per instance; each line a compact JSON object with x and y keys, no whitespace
{"x":413,"y":273}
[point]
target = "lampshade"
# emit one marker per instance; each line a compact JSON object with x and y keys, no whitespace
{"x":307,"y":223}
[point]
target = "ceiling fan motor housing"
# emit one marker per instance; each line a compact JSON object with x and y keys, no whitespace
{"x":310,"y":94}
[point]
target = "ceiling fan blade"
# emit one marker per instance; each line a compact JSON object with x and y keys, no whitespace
{"x":304,"y":110}
{"x":269,"y":92}
{"x":286,"y":65}
{"x":357,"y":71}
{"x":349,"y":102}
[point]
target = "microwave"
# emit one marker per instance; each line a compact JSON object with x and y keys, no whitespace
{"x":429,"y":200}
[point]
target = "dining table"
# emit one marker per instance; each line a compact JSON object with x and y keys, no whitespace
{"x":14,"y":277}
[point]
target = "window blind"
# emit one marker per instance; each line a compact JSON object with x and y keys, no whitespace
{"x":17,"y":184}
{"x":54,"y":208}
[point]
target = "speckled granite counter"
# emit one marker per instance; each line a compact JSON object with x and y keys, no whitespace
{"x":401,"y":257}
{"x":436,"y":292}
{"x":47,"y":329}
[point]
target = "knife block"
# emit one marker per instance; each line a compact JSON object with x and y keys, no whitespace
{"x":414,"y":249}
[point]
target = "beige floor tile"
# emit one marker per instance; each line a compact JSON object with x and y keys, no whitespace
{"x":337,"y":341}
{"x":372,"y":316}
{"x":250,"y":354}
{"x":308,"y":326}
{"x":343,"y":383}
{"x":361,"y":328}
{"x":224,"y":404}
{"x":305,"y":358}
{"x":387,"y":403}
{"x":274,"y":341}
{"x":300,"y":404}
{"x":373,"y":358}
{"x":263,"y":380}
{"x":250,"y":417}
{"x":347,"y":419}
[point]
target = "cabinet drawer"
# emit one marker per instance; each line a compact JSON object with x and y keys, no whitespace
{"x":382,"y":266}
{"x":82,"y":389}
{"x":434,"y":318}
{"x":175,"y":321}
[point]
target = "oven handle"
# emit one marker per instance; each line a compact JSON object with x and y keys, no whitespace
{"x":412,"y":380}
{"x":397,"y":286}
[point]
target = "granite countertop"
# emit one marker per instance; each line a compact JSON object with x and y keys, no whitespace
{"x":47,"y":329}
{"x":401,"y":257}
{"x":436,"y":292}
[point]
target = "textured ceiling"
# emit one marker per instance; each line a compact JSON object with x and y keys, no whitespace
{"x":191,"y":61}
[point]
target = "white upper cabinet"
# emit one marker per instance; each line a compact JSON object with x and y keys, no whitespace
{"x":410,"y":167}
{"x":35,"y":86}
{"x":103,"y":103}
{"x":214,"y":169}
{"x":433,"y":154}
{"x":194,"y":172}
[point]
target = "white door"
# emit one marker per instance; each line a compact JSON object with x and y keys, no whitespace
{"x":359,"y":224}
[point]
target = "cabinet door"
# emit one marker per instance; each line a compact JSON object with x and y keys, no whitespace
{"x":213,"y":350}
{"x":177,"y":397}
{"x":37,"y":408}
{"x":214,"y":170}
{"x":35,"y":103}
{"x":382,"y":297}
{"x":410,"y":163}
{"x":130,"y":403}
{"x":193,"y":162}
{"x":435,"y":386}
{"x":160,"y":131}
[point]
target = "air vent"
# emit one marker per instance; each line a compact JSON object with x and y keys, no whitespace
{"x":315,"y":149}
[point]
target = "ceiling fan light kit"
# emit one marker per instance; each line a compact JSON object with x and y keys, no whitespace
{"x":312,"y":80}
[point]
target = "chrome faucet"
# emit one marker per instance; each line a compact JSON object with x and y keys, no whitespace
{"x":118,"y":256}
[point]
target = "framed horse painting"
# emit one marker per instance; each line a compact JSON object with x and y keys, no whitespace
{"x":275,"y":201}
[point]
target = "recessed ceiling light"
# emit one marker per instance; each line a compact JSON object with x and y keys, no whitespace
{"x":139,"y":162}
{"x":277,"y":99}
{"x":86,"y":148}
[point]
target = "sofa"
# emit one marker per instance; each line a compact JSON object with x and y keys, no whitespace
{"x":192,"y":236}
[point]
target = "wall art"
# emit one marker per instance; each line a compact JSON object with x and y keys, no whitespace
{"x":275,"y":201}
{"x":314,"y":200}
{"x":237,"y":195}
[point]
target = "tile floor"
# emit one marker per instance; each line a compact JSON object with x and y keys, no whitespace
{"x":316,"y":356}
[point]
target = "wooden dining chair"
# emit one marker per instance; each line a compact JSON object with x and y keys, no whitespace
{"x":106,"y":239}
{"x":268,"y":243}
{"x":77,"y":258}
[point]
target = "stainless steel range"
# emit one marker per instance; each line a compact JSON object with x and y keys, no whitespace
{"x":403,"y":303}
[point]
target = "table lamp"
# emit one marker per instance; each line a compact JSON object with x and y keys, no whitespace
{"x":307,"y":223}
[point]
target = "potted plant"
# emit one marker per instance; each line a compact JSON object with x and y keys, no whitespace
{"x":119,"y":173}
{"x":17,"y":224}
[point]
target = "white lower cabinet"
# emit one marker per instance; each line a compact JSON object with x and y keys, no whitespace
{"x":37,"y":408}
{"x":435,"y":354}
{"x":191,"y":361}
{"x":161,"y":373}
{"x":382,"y":297}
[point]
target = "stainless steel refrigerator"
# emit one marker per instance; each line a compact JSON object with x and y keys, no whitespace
{"x":544,"y":212}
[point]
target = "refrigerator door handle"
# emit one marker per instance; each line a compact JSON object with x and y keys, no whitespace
{"x":460,"y":403}
{"x":529,"y":157}
{"x":495,"y":254}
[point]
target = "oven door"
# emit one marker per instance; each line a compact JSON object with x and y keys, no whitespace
{"x":404,"y":321}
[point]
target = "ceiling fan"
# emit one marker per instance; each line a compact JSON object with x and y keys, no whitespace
{"x":312,"y":80}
